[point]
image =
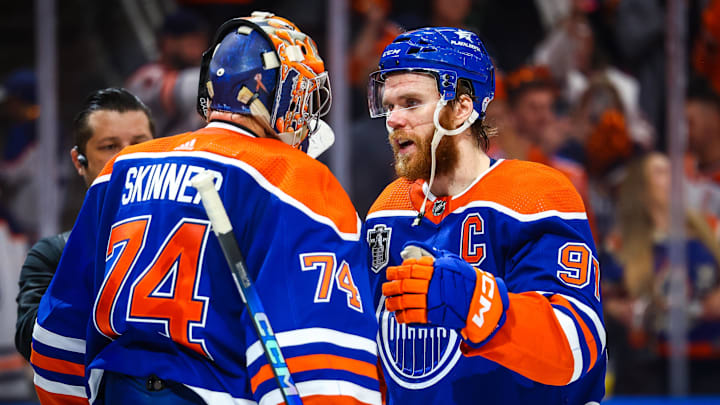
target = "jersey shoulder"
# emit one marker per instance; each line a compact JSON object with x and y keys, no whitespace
{"x":276,"y":166}
{"x":396,"y":196}
{"x":529,"y":188}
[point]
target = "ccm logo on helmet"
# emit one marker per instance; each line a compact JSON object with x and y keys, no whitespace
{"x":391,"y":52}
{"x":487,"y":292}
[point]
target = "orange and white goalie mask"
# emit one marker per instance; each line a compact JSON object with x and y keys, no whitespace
{"x":266,"y":67}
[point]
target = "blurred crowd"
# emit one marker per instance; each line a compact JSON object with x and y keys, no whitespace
{"x":580,"y":86}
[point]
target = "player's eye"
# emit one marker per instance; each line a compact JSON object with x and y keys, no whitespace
{"x":388,"y":107}
{"x":110,"y":147}
{"x":411,"y":102}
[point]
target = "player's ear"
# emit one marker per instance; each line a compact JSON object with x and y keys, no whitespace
{"x":462,"y":109}
{"x":79,"y":167}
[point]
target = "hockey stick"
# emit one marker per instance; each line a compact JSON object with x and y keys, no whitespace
{"x":215,"y":210}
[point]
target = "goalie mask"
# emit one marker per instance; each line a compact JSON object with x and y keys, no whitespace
{"x":265,"y":67}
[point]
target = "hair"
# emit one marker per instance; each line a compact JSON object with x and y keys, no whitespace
{"x":480,"y":130}
{"x":525,"y":79}
{"x":637,"y":229}
{"x":109,"y":99}
{"x":699,"y":89}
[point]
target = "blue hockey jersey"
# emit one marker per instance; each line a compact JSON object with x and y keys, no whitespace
{"x":523,"y":222}
{"x":143,"y":287}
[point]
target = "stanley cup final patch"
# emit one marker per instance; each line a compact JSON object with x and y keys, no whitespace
{"x":379,"y":240}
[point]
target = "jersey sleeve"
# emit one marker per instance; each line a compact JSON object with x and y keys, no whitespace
{"x":311,"y":275}
{"x":554,"y":333}
{"x":59,"y":334}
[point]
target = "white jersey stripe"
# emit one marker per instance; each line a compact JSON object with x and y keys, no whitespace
{"x":59,"y":388}
{"x":522,"y":217}
{"x":259,"y":178}
{"x":51,"y":339}
{"x":588,"y":312}
{"x":326,"y":387}
{"x":593,"y":317}
{"x":221,"y":398}
{"x":101,"y":179}
{"x":571,"y":334}
{"x":488,"y":204}
{"x":300,"y":337}
{"x":391,"y":213}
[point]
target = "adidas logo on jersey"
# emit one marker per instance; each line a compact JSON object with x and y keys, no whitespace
{"x":189,"y":145}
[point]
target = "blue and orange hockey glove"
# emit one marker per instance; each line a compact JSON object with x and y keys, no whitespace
{"x":439,"y":288}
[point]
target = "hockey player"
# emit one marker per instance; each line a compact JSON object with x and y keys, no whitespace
{"x":143,"y":308}
{"x":484,"y":271}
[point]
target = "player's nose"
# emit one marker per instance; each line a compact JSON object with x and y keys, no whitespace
{"x":396,"y":119}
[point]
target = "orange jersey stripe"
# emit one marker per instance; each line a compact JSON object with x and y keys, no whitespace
{"x":290,"y":170}
{"x":530,"y":319}
{"x":58,"y":366}
{"x":589,"y":338}
{"x":49,"y":398}
{"x":317,"y":362}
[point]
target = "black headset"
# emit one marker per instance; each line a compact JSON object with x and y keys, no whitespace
{"x":80,"y":157}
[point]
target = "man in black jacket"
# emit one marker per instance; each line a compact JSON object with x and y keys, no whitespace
{"x":110,"y":120}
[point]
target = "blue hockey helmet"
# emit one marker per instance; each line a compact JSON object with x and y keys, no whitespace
{"x":448,"y":54}
{"x":266,"y":67}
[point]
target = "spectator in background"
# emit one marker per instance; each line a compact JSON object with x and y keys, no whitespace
{"x":576,"y":59}
{"x":705,"y":51}
{"x":702,"y":110}
{"x":635,"y":285}
{"x":601,"y":141}
{"x":19,"y":112}
{"x":169,"y":84}
{"x":18,"y":153}
{"x":639,"y":28}
{"x":110,"y":120}
{"x":532,"y":95}
{"x":539,"y":134}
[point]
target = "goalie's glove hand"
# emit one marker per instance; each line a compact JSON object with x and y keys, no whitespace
{"x":439,"y":288}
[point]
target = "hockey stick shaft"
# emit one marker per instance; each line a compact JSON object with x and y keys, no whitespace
{"x":222,"y":227}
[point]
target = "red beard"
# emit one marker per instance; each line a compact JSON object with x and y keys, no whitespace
{"x":417,"y":164}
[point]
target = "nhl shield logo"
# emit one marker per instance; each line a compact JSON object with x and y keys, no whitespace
{"x":438,"y":207}
{"x":379,"y":240}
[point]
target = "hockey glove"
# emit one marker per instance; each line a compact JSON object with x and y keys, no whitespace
{"x":439,"y":288}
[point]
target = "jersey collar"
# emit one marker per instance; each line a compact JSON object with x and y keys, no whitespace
{"x":231,"y":127}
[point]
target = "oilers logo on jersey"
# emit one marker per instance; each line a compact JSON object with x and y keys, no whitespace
{"x":379,"y":240}
{"x":415,"y":357}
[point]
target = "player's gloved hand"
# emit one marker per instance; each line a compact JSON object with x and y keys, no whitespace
{"x":439,"y":288}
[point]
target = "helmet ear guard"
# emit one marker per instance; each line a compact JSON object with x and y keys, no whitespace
{"x":285,"y":87}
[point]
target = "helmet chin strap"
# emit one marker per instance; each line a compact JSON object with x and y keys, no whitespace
{"x":440,"y":131}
